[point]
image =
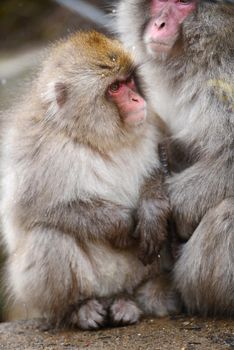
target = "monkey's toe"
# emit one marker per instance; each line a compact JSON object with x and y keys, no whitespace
{"x":123,"y":312}
{"x":91,"y":315}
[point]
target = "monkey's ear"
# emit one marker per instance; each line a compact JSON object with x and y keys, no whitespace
{"x":60,"y":93}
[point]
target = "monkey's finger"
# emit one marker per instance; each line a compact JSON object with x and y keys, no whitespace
{"x":146,"y":259}
{"x":148,"y":253}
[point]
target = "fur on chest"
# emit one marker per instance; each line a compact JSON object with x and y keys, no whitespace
{"x":119,"y":176}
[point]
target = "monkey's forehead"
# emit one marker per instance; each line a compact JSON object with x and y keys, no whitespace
{"x":96,"y":46}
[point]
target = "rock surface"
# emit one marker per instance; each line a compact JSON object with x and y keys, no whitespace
{"x":180,"y":333}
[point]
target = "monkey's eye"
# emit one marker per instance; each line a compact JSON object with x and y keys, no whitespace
{"x":185,"y":2}
{"x":114,"y":87}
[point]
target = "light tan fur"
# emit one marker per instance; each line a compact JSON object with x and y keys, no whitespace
{"x":73,"y":174}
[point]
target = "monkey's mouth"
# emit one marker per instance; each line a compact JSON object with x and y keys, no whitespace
{"x":135,"y":118}
{"x":158,"y":46}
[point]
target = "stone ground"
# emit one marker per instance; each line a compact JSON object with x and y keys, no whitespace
{"x":180,"y":333}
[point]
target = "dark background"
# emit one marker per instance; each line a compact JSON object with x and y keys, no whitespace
{"x":27,"y":22}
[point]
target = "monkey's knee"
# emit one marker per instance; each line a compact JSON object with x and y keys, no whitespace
{"x":204,"y":273}
{"x":158,"y":298}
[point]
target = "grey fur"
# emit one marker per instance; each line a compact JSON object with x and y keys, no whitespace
{"x":191,"y":88}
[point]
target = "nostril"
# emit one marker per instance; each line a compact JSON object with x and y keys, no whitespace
{"x":162,"y":25}
{"x":135,"y":100}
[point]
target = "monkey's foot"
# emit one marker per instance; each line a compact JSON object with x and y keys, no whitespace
{"x":91,"y":315}
{"x":124,"y":311}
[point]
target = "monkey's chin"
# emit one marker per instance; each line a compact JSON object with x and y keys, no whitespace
{"x":136,"y":118}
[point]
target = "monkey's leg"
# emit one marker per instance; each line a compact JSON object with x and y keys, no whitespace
{"x":204,"y":273}
{"x":51,"y":273}
{"x":157,"y":297}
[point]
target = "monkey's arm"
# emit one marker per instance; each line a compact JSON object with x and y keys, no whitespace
{"x":152,"y":214}
{"x":197,"y":189}
{"x":95,"y":219}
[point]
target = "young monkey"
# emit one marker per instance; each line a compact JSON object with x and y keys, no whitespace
{"x":81,"y":179}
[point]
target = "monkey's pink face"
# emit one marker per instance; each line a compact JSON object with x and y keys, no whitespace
{"x":164,"y":26}
{"x":131,"y":106}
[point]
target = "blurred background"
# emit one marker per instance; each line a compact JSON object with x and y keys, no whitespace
{"x":26,"y":28}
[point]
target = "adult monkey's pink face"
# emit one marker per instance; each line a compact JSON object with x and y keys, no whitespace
{"x":163,"y":28}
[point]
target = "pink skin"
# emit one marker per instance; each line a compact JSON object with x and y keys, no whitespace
{"x":131,"y":106}
{"x":167,"y":16}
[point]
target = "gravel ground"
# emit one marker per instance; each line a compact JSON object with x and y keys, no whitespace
{"x":180,"y":333}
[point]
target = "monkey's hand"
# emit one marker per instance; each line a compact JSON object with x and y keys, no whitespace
{"x":151,"y":230}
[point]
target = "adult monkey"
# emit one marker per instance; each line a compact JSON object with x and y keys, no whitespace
{"x":187,"y":48}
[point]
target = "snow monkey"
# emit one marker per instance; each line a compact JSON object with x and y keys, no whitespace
{"x":84,"y":207}
{"x":188,"y":46}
